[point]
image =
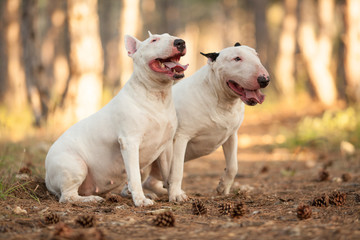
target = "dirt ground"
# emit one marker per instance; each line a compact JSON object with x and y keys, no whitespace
{"x":271,"y":182}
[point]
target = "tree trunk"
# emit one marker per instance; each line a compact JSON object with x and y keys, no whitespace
{"x":285,"y":64}
{"x":55,"y":54}
{"x":109,"y":14}
{"x":3,"y":57}
{"x":34,"y":70}
{"x":317,"y":50}
{"x":15,"y":97}
{"x":261,"y":33}
{"x":129,"y":25}
{"x":352,"y":52}
{"x":84,"y":93}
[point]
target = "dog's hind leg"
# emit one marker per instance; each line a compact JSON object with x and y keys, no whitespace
{"x":66,"y":176}
{"x":153,"y":182}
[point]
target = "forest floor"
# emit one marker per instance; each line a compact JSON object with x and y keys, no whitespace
{"x":272,"y":182}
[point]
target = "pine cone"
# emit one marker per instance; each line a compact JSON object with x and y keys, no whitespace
{"x":199,"y":208}
{"x":323,"y":175}
{"x":238,"y":210}
{"x":165,"y":219}
{"x":321,"y":201}
{"x":346,"y":177}
{"x":25,"y":170}
{"x":337,"y":198}
{"x":304,"y":212}
{"x":264,"y":169}
{"x":357,"y":198}
{"x":86,"y":221}
{"x":113,"y":199}
{"x":224,"y":208}
{"x":52,"y":218}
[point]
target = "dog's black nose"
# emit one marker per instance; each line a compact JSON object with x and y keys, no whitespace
{"x":263,"y":81}
{"x":179,"y":44}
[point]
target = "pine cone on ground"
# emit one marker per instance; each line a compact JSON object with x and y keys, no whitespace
{"x":199,"y":208}
{"x":165,"y":219}
{"x":346,"y":177}
{"x":238,"y":210}
{"x":264,"y":169}
{"x":25,"y":170}
{"x":321,"y":201}
{"x":113,"y":199}
{"x":357,"y":198}
{"x":337,"y":198}
{"x":86,"y":221}
{"x":324,"y":175}
{"x":52,"y":218}
{"x":224,"y":208}
{"x":304,"y":212}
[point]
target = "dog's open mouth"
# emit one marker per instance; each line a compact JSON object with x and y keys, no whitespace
{"x":250,"y":97}
{"x":169,"y":66}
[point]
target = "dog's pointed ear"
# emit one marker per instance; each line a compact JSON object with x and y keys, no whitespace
{"x":150,"y":34}
{"x":131,"y":44}
{"x":211,"y":56}
{"x":237,"y":44}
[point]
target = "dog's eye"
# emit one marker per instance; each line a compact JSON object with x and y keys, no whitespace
{"x":154,"y":40}
{"x":237,"y":59}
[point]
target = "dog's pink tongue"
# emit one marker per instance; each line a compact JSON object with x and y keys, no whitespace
{"x":255,"y":94}
{"x":177,"y":66}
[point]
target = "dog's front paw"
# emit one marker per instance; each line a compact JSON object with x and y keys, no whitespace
{"x":143,"y":202}
{"x":178,"y":197}
{"x":222,"y":189}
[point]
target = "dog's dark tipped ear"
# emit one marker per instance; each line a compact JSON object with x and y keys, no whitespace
{"x":237,"y":44}
{"x":211,"y":56}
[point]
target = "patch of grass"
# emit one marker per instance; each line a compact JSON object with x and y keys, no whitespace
{"x":14,"y":156}
{"x":328,"y":130}
{"x":8,"y":187}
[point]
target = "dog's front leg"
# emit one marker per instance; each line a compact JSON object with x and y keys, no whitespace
{"x":230,"y":152}
{"x":130,"y":154}
{"x":176,"y":194}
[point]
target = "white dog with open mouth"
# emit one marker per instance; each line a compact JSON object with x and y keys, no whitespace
{"x":131,"y":131}
{"x":210,"y":109}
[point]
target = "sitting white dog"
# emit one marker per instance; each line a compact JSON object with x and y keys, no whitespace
{"x":132,"y":130}
{"x":210,"y":109}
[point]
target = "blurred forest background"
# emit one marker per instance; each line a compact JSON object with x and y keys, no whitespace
{"x":62,"y":60}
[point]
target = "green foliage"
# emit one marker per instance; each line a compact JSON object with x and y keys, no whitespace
{"x":7,"y":188}
{"x":328,"y":130}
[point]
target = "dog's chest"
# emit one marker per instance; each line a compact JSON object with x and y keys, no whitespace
{"x":212,"y":135}
{"x":210,"y":139}
{"x":160,"y":132}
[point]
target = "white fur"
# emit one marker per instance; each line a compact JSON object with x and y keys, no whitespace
{"x":130,"y":132}
{"x":210,"y":114}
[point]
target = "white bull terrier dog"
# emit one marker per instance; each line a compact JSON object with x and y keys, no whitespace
{"x":210,"y":109}
{"x":130,"y":132}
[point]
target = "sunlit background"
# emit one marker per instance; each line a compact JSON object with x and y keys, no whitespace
{"x":61,"y":61}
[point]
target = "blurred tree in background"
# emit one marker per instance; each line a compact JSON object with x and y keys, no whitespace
{"x":62,"y":60}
